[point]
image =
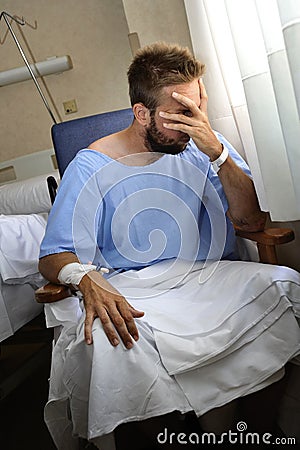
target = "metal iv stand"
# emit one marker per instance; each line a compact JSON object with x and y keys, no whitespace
{"x":4,"y":15}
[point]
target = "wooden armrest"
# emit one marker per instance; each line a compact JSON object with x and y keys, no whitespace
{"x":52,"y":293}
{"x":269,"y":236}
{"x":266,"y":241}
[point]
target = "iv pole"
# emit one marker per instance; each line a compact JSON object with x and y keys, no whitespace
{"x":22,"y":22}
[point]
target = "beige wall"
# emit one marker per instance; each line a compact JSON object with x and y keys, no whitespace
{"x":95,"y":34}
{"x":158,"y":20}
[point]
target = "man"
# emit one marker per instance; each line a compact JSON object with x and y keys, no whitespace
{"x":200,"y":332}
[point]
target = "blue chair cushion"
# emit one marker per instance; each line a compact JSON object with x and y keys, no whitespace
{"x":71,"y":136}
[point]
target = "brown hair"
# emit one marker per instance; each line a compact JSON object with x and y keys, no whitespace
{"x":158,"y":65}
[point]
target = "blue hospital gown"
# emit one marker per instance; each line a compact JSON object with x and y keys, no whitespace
{"x":129,"y":217}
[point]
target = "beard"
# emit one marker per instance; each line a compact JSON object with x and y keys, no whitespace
{"x":156,"y":141}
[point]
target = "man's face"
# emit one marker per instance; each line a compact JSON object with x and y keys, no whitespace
{"x":158,"y":138}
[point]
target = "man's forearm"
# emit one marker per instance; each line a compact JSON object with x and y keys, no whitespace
{"x":243,"y":207}
{"x":50,"y":265}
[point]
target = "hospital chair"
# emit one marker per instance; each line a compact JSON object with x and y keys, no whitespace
{"x":71,"y":136}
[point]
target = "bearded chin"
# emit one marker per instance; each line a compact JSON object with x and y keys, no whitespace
{"x":157,"y":142}
{"x":156,"y":146}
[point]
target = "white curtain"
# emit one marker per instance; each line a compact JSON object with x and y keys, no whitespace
{"x":251,"y":49}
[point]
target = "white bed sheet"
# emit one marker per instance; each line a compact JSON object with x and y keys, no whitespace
{"x":20,"y":238}
{"x":17,"y":307}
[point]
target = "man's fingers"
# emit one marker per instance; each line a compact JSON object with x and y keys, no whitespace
{"x":179,"y":127}
{"x":89,"y":320}
{"x":178,"y":118}
{"x":108,"y":327}
{"x":117,"y":319}
{"x":203,"y":97}
{"x":124,"y":324}
{"x":127,"y":314}
{"x":135,"y":313}
{"x":185,"y":101}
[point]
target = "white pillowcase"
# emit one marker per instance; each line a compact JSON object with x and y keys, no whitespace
{"x":26,"y":197}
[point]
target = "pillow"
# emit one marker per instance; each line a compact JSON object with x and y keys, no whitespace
{"x":26,"y":197}
{"x":20,"y":240}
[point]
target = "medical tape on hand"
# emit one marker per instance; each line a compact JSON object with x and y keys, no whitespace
{"x":74,"y":272}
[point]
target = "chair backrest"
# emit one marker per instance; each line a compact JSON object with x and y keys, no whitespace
{"x":71,"y":136}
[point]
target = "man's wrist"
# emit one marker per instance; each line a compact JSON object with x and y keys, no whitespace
{"x":217,"y":163}
{"x":216,"y":151}
{"x":72,"y":274}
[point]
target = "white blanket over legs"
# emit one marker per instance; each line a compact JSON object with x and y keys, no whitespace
{"x":209,"y":335}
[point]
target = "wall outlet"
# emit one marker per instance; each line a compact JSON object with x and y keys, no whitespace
{"x":70,"y":106}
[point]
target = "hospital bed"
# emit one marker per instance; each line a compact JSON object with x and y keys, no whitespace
{"x":24,"y":209}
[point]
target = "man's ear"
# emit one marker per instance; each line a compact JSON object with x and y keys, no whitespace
{"x":141,"y":113}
